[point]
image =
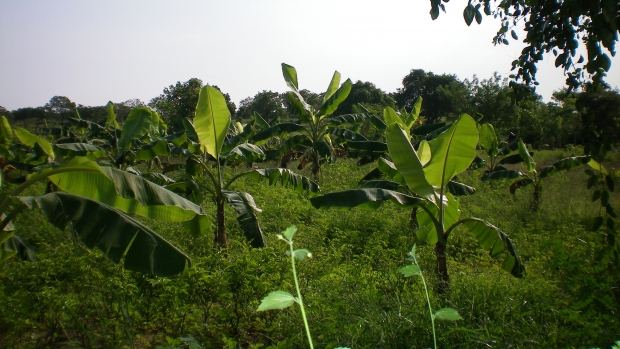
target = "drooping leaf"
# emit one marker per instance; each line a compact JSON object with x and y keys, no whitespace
{"x":565,"y":164}
{"x":511,"y":160}
{"x":124,"y":191}
{"x":244,"y":205}
{"x":79,"y":149}
{"x":276,"y":300}
{"x":427,"y":128}
{"x":382,"y":184}
{"x":245,"y":152}
{"x":502,"y":174}
{"x":284,"y":177}
{"x":276,"y":130}
{"x":373,"y":146}
{"x":460,"y":189}
{"x":30,"y":140}
{"x":524,"y":182}
{"x":136,"y":125}
{"x":447,"y":314}
{"x":290,"y":76}
{"x":346,"y":134}
{"x":452,"y":151}
{"x":370,"y":198}
{"x":497,"y":242}
{"x":116,"y":234}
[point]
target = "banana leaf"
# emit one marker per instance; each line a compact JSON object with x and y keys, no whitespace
{"x":368,"y":198}
{"x":244,"y":205}
{"x":116,"y":234}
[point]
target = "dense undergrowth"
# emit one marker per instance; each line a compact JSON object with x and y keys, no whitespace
{"x":354,"y":296}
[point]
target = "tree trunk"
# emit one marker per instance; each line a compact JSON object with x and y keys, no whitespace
{"x":441,"y":270}
{"x":221,"y":240}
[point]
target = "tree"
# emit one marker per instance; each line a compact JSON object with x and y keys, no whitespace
{"x":6,"y":113}
{"x":419,"y":83}
{"x":60,"y":105}
{"x":364,"y":93}
{"x":266,"y":103}
{"x":178,"y":102}
{"x":553,"y":26}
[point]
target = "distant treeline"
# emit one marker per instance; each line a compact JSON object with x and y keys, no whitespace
{"x":515,"y":111}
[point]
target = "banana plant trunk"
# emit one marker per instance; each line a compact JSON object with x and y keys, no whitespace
{"x":441,"y":270}
{"x":221,"y":240}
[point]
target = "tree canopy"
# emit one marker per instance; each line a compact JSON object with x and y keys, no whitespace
{"x":556,"y":27}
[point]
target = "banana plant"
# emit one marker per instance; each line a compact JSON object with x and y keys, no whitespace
{"x":533,"y":176}
{"x":427,"y":172}
{"x":99,"y":204}
{"x":207,"y":168}
{"x":311,"y":136}
{"x":499,"y":153}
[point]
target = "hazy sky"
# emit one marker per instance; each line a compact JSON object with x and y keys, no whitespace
{"x":93,"y":52}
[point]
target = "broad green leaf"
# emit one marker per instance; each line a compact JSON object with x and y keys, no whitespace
{"x":111,"y":120}
{"x":511,"y":160}
{"x":211,"y":120}
{"x":333,"y":86}
{"x":452,"y":151}
{"x":244,"y":205}
{"x":488,"y":139}
{"x":111,"y":231}
{"x":417,"y":107}
{"x":410,"y":270}
{"x":407,"y":162}
{"x":346,"y":134}
{"x":497,"y":242}
{"x":424,"y":152}
{"x":30,"y":140}
{"x":289,"y":232}
{"x":136,"y":126}
{"x":527,"y":158}
{"x":290,"y":76}
{"x":6,"y":134}
{"x":391,"y":118}
{"x":447,"y":314}
{"x":331,"y":104}
{"x":125,"y":191}
{"x":276,"y":300}
{"x":369,"y":198}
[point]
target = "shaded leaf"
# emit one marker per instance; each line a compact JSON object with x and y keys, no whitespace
{"x":244,"y":205}
{"x":370,"y":198}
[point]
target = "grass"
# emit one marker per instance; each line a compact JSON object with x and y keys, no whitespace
{"x":353,"y":294}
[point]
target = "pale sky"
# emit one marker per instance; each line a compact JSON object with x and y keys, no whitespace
{"x":93,"y":52}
